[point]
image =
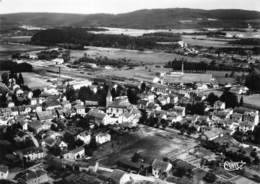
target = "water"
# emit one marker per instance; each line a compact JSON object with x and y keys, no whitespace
{"x":140,"y":32}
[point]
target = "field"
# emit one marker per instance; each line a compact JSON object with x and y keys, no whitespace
{"x":252,"y":100}
{"x":137,"y":57}
{"x":6,"y":50}
{"x":152,"y":143}
{"x":204,"y":41}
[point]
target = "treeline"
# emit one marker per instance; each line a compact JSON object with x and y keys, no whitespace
{"x":15,"y":67}
{"x":246,"y":41}
{"x":102,"y":61}
{"x":82,"y":37}
{"x":199,"y":67}
{"x":164,"y":36}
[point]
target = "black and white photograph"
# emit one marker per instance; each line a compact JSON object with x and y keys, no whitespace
{"x":129,"y":91}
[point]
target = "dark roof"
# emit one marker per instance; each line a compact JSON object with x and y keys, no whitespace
{"x":117,"y":175}
{"x":31,"y":150}
{"x":3,"y":168}
{"x":160,"y":165}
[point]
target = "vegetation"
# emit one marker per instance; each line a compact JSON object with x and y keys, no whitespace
{"x":246,"y":41}
{"x":148,"y":19}
{"x":229,"y":98}
{"x":80,"y":37}
{"x":252,"y":81}
{"x":15,"y":67}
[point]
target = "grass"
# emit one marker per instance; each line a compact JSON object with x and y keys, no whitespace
{"x":137,"y":57}
{"x":152,"y":143}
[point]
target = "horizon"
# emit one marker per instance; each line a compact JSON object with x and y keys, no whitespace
{"x":118,"y":7}
{"x":50,"y":12}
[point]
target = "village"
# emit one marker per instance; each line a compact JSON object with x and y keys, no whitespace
{"x":171,"y":129}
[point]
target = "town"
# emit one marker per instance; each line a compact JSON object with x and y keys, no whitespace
{"x":107,"y":99}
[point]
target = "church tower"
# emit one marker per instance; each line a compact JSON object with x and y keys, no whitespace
{"x":109,"y":98}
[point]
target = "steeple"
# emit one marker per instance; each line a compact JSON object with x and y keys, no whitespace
{"x":109,"y":98}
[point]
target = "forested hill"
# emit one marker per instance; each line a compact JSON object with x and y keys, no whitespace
{"x":154,"y":18}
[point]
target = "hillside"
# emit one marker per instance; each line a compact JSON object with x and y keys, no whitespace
{"x":154,"y":18}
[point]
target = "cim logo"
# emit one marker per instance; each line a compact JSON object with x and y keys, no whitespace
{"x":234,"y":166}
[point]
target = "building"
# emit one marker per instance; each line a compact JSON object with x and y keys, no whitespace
{"x":84,"y":136}
{"x":219,"y":105}
{"x":4,"y":171}
{"x":102,"y":138}
{"x":160,"y":168}
{"x":120,"y":177}
{"x":75,"y":154}
{"x":31,"y":154}
{"x":32,"y":177}
{"x":98,"y":117}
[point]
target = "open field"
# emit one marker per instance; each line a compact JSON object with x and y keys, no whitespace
{"x":153,"y":143}
{"x":6,"y":50}
{"x":138,"y":57}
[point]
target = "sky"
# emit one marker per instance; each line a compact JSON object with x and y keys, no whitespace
{"x":119,"y":6}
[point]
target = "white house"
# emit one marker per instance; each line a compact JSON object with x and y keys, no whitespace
{"x":3,"y":172}
{"x":219,"y":105}
{"x":84,"y":136}
{"x":102,"y":138}
{"x":75,"y":154}
{"x":160,"y":167}
{"x":120,"y":177}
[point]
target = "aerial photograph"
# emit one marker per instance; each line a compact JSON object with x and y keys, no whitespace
{"x":129,"y":92}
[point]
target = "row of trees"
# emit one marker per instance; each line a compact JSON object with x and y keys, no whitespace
{"x":176,"y":64}
{"x":15,"y":67}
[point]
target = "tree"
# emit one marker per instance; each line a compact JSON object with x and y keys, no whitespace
{"x":210,"y":177}
{"x":229,"y":98}
{"x":70,"y":93}
{"x":20,"y":80}
{"x":241,"y":101}
{"x":5,"y":78}
{"x":37,"y":93}
{"x":143,"y":87}
{"x":252,"y":81}
{"x":212,"y":98}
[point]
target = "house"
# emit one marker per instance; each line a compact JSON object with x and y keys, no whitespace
{"x":236,"y":117}
{"x":164,"y":100}
{"x":32,"y":177}
{"x":134,"y":167}
{"x":38,"y":126}
{"x":44,"y":115}
{"x":174,"y":99}
{"x":212,"y":134}
{"x":23,"y":121}
{"x":66,"y":105}
{"x":102,"y":138}
{"x":31,"y":154}
{"x":98,"y":117}
{"x":80,"y":109}
{"x":246,"y":126}
{"x":24,"y":110}
{"x":160,"y":167}
{"x":52,"y":103}
{"x":84,"y":136}
{"x":120,"y":177}
{"x":173,"y":117}
{"x":219,"y":105}
{"x":4,"y":171}
{"x":15,"y":111}
{"x":75,"y":154}
{"x":252,"y":117}
{"x":119,"y":106}
{"x":180,"y":110}
{"x":63,"y":145}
